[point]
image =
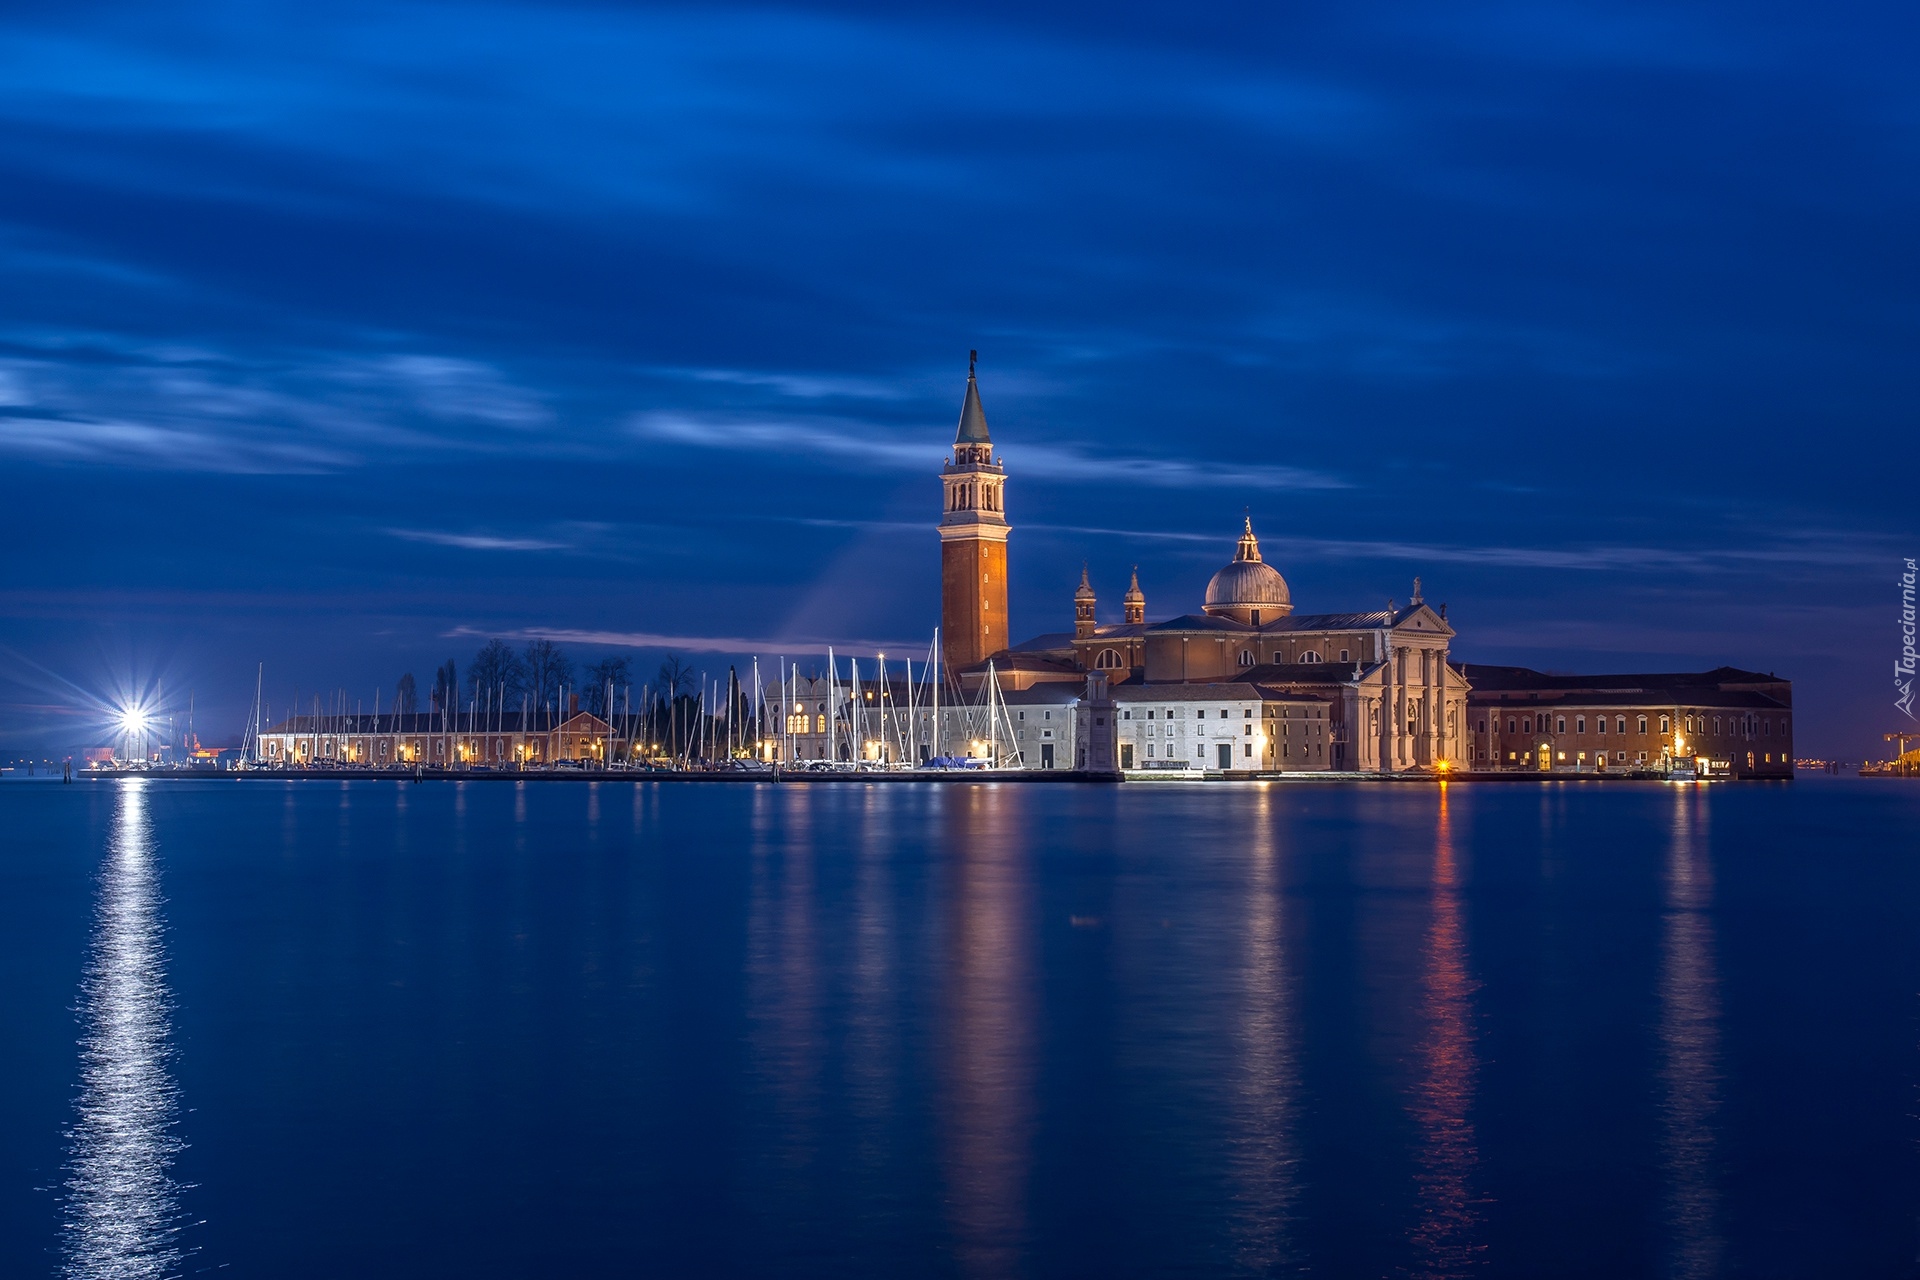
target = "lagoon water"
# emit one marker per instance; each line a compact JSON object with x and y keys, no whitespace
{"x":491,"y":1029}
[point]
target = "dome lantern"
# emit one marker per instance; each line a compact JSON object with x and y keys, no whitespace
{"x":1249,"y":590}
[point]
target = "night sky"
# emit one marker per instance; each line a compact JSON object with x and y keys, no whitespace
{"x":341,"y":338}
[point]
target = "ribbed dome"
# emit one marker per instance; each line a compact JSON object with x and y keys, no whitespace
{"x":1248,"y":583}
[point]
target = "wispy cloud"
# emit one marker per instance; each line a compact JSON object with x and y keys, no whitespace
{"x":165,"y":448}
{"x":870,"y":447}
{"x":478,"y":541}
{"x":761,"y":646}
{"x":1848,"y":551}
{"x":103,"y":399}
{"x":804,"y":386}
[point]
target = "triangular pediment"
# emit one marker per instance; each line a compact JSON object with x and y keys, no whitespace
{"x":1421,"y":619}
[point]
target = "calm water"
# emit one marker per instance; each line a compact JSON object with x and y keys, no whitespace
{"x":373,"y":1029}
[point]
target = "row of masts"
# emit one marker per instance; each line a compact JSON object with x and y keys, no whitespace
{"x":721,"y":720}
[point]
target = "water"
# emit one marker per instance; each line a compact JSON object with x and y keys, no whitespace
{"x":372,"y":1029}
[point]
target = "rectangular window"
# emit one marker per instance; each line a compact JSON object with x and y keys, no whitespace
{"x":1579,"y":724}
{"x":1643,"y":733}
{"x":1600,"y":725}
{"x":1563,"y":724}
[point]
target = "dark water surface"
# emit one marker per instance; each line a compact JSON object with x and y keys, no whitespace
{"x":376,"y":1029}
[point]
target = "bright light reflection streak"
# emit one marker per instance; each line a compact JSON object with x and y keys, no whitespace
{"x":122,"y":1212}
{"x":1690,"y":1072}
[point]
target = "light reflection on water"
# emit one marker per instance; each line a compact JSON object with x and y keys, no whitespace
{"x":1690,"y":1046}
{"x":1264,"y":1158}
{"x":1446,"y":1234}
{"x":973,"y":1030}
{"x":122,"y":1215}
{"x":989,"y":1086}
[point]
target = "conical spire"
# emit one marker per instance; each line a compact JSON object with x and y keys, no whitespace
{"x":1086,"y":586}
{"x":1249,"y":545}
{"x":1135,"y":601}
{"x":973,"y":419}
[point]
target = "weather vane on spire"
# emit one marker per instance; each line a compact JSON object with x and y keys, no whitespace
{"x":973,"y":357}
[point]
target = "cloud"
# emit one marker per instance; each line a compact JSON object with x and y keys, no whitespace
{"x":803,"y":386}
{"x":1836,"y":551}
{"x":478,"y":541}
{"x":162,"y":448}
{"x":868,"y":447}
{"x":452,"y":390}
{"x":788,"y":646}
{"x":110,"y":400}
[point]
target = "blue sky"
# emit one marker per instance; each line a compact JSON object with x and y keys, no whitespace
{"x":342,"y":338}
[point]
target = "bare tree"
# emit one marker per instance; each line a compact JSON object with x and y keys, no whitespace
{"x":497,"y":668}
{"x":615,"y":671}
{"x":547,"y":668}
{"x":675,"y":677}
{"x":406,"y":698}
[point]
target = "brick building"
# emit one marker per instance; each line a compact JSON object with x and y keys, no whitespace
{"x":1725,"y":722}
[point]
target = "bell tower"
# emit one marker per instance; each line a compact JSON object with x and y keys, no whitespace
{"x":973,"y":541}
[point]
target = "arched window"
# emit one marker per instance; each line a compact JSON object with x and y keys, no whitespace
{"x":1310,"y":656}
{"x":1108,"y":660}
{"x":1246,"y":657}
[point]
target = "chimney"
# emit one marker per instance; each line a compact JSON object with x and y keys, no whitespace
{"x":573,"y":704}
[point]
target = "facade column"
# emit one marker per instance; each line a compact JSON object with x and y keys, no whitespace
{"x":1435,"y":705}
{"x":1388,"y":695}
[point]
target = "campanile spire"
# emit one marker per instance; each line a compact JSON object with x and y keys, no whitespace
{"x":973,"y":539}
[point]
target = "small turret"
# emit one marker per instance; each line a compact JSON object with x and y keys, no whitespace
{"x":1083,"y":621}
{"x":1135,"y":600}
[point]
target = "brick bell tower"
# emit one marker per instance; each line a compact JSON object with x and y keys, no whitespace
{"x":973,"y":541}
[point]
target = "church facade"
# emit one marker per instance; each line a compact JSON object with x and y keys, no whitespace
{"x":1372,"y":690}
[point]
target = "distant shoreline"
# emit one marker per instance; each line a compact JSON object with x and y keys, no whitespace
{"x":811,"y":777}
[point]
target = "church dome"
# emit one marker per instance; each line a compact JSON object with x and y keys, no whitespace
{"x":1249,"y":583}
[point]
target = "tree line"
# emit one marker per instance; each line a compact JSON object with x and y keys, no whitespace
{"x":541,"y":673}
